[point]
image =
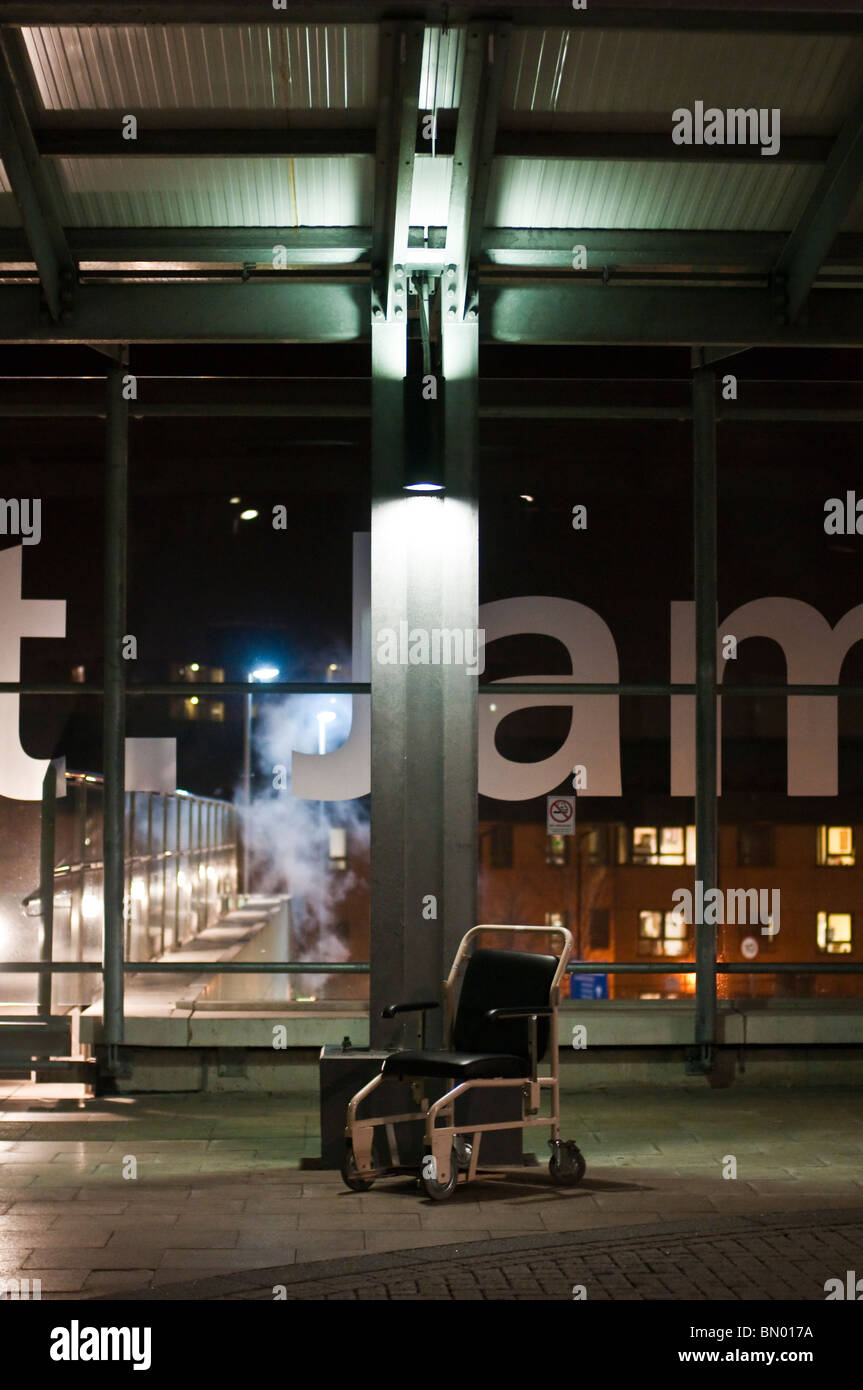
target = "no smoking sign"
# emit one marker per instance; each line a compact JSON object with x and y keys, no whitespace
{"x":560,"y":815}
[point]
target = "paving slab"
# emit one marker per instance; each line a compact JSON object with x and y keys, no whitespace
{"x":221,"y":1179}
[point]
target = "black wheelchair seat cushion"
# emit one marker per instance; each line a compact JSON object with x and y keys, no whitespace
{"x":461,"y":1066}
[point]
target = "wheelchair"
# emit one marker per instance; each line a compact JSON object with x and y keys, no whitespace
{"x":503,"y":1026}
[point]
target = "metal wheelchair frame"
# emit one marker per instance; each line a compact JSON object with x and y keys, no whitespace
{"x":444,"y":1156}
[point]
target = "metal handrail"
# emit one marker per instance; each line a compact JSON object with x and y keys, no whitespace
{"x":323,"y":967}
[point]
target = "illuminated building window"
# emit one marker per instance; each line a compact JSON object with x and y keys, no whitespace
{"x":662,"y":934}
{"x":835,"y":933}
{"x":835,"y":844}
{"x":644,"y":843}
{"x":557,"y":850}
{"x":666,"y":844}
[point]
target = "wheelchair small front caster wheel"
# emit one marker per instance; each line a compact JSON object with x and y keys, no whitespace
{"x":350,"y":1173}
{"x":463,"y":1151}
{"x":439,"y":1191}
{"x":566,"y":1166}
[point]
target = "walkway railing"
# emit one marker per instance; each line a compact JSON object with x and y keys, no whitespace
{"x":180,"y":876}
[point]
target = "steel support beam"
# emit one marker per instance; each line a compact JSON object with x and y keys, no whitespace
{"x":688,"y":16}
{"x":301,"y":311}
{"x":222,"y":245}
{"x":30,"y":187}
{"x":706,"y":857}
{"x":97,"y":142}
{"x":73,"y":142}
{"x":485,"y":62}
{"x":567,"y":311}
{"x":635,"y":146}
{"x":823,"y":215}
{"x":557,"y":310}
{"x":114,"y":706}
{"x":545,"y":248}
{"x":400,"y":63}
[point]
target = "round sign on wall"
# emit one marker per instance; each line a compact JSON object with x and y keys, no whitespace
{"x":749,"y":947}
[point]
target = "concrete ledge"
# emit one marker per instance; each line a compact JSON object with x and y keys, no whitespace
{"x":637,"y":1023}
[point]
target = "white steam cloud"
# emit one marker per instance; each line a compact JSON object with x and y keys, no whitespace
{"x":289,"y":838}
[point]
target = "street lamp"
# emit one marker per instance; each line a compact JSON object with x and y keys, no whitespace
{"x":263,"y":674}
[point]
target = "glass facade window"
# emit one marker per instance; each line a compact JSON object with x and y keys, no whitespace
{"x":836,"y":845}
{"x":835,"y":933}
{"x":662,"y":934}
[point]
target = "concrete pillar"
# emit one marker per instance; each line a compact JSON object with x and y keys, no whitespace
{"x":461,"y":602}
{"x":424,"y":760}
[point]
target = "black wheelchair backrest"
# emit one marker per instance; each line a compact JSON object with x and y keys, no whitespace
{"x":497,"y":980}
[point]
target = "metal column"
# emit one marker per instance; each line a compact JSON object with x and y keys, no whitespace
{"x":114,"y":713}
{"x":388,"y":722}
{"x":46,"y":881}
{"x":460,"y":604}
{"x":706,"y":866}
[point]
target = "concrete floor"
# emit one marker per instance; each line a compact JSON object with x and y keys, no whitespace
{"x":218,"y":1185}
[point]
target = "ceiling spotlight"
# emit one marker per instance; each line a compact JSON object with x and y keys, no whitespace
{"x":233,"y":501}
{"x":249,"y":514}
{"x":526,"y":497}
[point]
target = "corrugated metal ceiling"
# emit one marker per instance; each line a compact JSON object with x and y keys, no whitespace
{"x":558,"y":193}
{"x":156,"y":69}
{"x":634,"y":80}
{"x":328,"y":74}
{"x":216,"y":192}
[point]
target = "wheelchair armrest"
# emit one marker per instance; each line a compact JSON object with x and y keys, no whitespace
{"x":538,"y":1011}
{"x":392,"y":1009}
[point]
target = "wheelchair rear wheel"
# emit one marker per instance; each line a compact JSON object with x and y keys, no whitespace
{"x":350,"y":1173}
{"x":439,"y":1191}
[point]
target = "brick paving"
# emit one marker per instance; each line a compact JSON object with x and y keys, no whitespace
{"x":745,"y":1259}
